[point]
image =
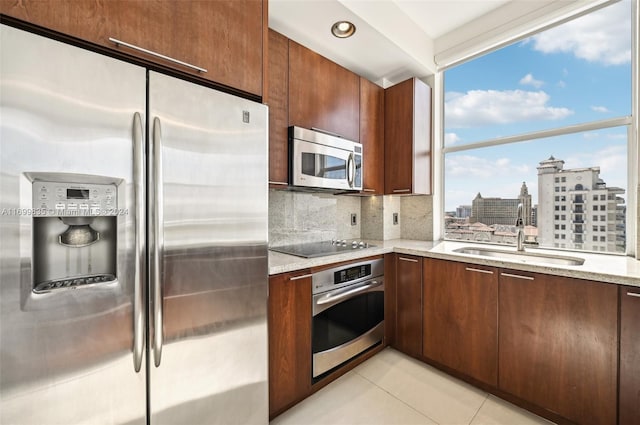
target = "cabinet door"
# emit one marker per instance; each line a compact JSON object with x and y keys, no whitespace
{"x":289,"y":339}
{"x":322,"y":94}
{"x":407,"y":138}
{"x":372,"y":136}
{"x":278,"y":77}
{"x":629,"y":355}
{"x":461,"y":318}
{"x":558,"y":344}
{"x":409,"y":305}
{"x":225,"y":37}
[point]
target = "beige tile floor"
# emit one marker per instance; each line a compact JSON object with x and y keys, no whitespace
{"x":391,"y":388}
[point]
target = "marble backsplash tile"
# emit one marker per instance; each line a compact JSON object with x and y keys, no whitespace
{"x":416,"y":218}
{"x":300,"y":217}
{"x":377,"y":217}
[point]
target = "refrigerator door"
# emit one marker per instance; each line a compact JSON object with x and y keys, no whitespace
{"x":208,"y":255}
{"x":66,"y":356}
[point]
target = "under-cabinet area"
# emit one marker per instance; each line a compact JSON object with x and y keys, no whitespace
{"x":564,"y":348}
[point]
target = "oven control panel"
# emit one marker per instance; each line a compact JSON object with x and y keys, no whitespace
{"x":351,"y":273}
{"x":347,"y":274}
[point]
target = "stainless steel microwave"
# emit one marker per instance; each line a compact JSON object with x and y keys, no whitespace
{"x":323,"y":161}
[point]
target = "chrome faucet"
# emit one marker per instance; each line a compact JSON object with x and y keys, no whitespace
{"x":520,"y":226}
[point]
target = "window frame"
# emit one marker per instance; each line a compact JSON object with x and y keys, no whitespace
{"x":630,"y":121}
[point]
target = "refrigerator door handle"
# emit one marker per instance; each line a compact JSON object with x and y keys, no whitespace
{"x":155,"y":177}
{"x":140,"y":224}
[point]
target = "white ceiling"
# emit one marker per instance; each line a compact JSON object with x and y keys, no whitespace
{"x":394,"y":39}
{"x":438,"y":17}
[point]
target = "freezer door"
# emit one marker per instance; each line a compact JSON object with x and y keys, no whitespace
{"x":208,"y":255}
{"x":66,"y":356}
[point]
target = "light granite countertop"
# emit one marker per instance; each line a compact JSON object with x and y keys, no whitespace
{"x":599,"y":267}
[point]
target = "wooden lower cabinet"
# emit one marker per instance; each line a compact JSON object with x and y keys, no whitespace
{"x":408,"y":332}
{"x":289,"y":339}
{"x":558,"y":344}
{"x":460,"y":318}
{"x":629,"y":401}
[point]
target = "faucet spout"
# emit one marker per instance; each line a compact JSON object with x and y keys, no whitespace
{"x":520,"y":227}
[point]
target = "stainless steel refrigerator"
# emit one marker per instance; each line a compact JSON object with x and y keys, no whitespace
{"x":133,"y":232}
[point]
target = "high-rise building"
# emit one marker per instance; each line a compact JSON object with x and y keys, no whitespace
{"x":463,"y":211}
{"x":501,"y":210}
{"x":576,"y":209}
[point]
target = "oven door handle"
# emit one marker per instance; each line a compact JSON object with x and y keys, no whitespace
{"x":329,"y":300}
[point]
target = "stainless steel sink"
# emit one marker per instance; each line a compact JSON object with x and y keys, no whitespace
{"x":525,"y":257}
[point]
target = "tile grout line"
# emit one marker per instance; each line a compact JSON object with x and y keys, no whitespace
{"x":399,"y":399}
{"x":479,"y":408}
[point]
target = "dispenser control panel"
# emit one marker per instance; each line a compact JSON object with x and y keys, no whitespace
{"x":74,"y":199}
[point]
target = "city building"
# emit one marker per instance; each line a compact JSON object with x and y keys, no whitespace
{"x":463,"y":211}
{"x":576,"y":209}
{"x":501,"y":210}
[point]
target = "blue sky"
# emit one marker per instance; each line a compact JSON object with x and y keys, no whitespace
{"x":575,"y":73}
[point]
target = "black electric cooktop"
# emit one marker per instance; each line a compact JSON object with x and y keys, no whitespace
{"x":320,"y":249}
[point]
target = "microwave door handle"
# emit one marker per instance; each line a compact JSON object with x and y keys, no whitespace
{"x":140,"y":263}
{"x":351,"y":170}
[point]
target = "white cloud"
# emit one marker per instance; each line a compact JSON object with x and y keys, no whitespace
{"x":482,"y":107}
{"x":451,"y":139}
{"x":599,"y":109}
{"x":591,"y":135}
{"x":471,"y":167}
{"x":561,"y":84}
{"x":528,"y":80}
{"x":602,"y":36}
{"x":612,"y":161}
{"x":466,"y":175}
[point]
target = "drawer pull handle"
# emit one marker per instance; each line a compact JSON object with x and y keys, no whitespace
{"x":411,"y":260}
{"x":368,"y":190}
{"x":304,"y":276}
{"x":633,"y":294}
{"x":156,"y":54}
{"x":478,"y":270}
{"x":281,"y":183}
{"x":517,"y":276}
{"x":401,"y":190}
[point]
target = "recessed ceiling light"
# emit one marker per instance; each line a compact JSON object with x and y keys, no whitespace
{"x":343,"y":29}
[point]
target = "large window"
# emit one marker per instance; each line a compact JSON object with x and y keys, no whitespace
{"x":544,"y":122}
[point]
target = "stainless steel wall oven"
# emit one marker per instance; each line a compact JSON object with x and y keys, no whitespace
{"x":348,"y":312}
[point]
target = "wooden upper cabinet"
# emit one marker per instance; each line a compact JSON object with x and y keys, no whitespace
{"x":629,"y":355}
{"x":372,"y":136}
{"x":460,"y":317}
{"x":278,"y":101}
{"x":225,"y":37}
{"x":558,"y":344}
{"x":407,"y":138}
{"x":322,"y":94}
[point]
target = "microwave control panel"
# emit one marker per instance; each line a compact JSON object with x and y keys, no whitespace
{"x":55,"y":199}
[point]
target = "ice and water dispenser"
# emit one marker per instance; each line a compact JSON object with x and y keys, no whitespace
{"x":74,"y":234}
